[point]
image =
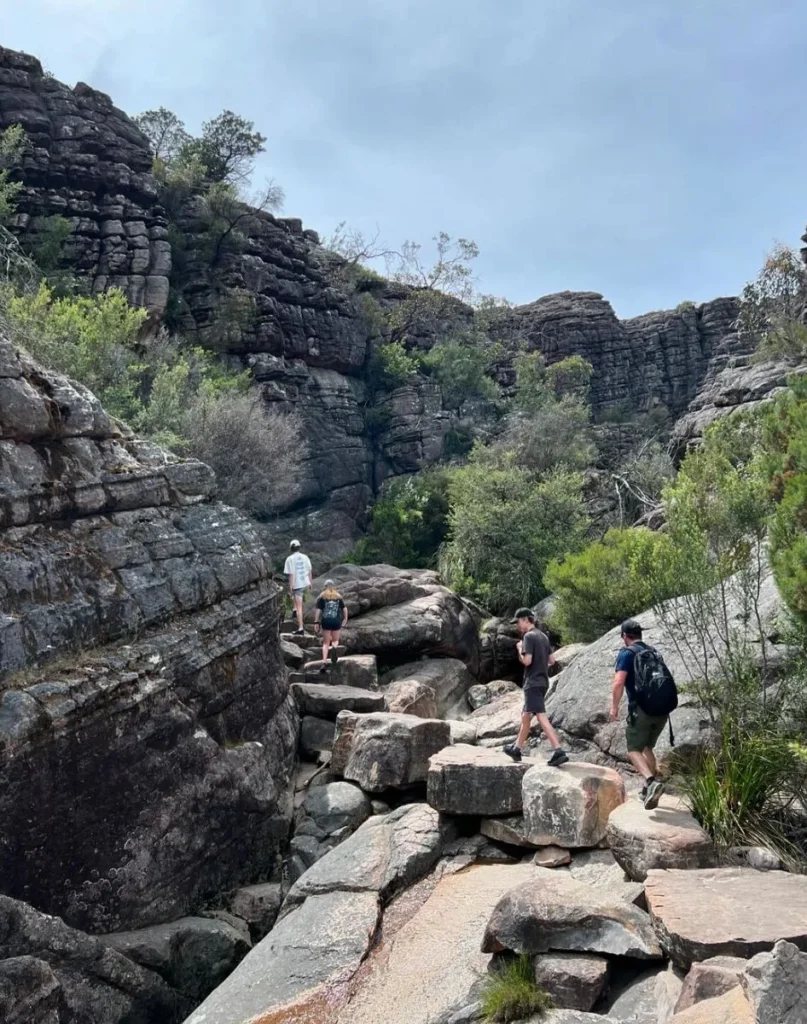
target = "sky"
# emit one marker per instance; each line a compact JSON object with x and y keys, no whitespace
{"x":650,"y":150}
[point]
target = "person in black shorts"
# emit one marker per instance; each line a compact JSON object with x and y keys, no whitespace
{"x":535,"y":654}
{"x":330,"y":616}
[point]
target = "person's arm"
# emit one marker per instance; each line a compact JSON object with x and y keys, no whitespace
{"x":525,"y":657}
{"x":291,"y":583}
{"x":617,"y":689}
{"x":344,"y":614}
{"x":317,"y":614}
{"x":310,"y":577}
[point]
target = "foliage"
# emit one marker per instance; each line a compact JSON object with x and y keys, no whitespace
{"x":505,"y":528}
{"x":606,"y":582}
{"x":570,"y":376}
{"x":640,"y":478}
{"x":12,"y":143}
{"x":511,"y":993}
{"x":166,"y":133}
{"x":682,"y":307}
{"x":261,"y":471}
{"x":461,"y":371}
{"x":391,"y":366}
{"x":786,"y":434}
{"x":554,"y":435}
{"x":52,"y":233}
{"x":773,"y":307}
{"x":409,"y":522}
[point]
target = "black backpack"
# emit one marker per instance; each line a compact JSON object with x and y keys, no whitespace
{"x":653,"y":683}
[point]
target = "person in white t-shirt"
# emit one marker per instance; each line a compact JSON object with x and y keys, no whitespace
{"x":298,"y":570}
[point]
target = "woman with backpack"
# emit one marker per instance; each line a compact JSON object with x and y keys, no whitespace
{"x":331,"y":616}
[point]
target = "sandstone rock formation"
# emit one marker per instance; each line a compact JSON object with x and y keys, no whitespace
{"x":668,"y":837}
{"x":569,"y":806}
{"x":142,"y":682}
{"x":473,"y":780}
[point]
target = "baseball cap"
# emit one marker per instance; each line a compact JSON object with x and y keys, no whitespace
{"x":523,"y":613}
{"x":630,"y":627}
{"x":294,"y":544}
{"x":329,"y":583}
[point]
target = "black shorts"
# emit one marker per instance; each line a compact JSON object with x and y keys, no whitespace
{"x":534,"y":700}
{"x":332,"y":627}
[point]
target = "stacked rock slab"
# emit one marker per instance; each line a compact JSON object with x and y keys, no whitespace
{"x":570,"y":806}
{"x":87,"y":162}
{"x":385,"y":750}
{"x":144,"y":698}
{"x":667,"y":837}
{"x":472,"y":780}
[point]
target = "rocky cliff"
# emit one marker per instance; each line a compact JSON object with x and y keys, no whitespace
{"x":146,"y":729}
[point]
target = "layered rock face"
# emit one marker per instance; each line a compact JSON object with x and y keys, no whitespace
{"x":146,"y":729}
{"x":89,"y":164}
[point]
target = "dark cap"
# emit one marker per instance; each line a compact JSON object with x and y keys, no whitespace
{"x":523,"y":613}
{"x":630,"y":627}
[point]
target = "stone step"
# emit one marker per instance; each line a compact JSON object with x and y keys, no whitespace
{"x":326,"y":701}
{"x":315,"y":653}
{"x":359,"y":670}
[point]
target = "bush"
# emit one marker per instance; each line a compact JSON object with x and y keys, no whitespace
{"x":773,"y":306}
{"x":511,"y":993}
{"x":409,"y":523}
{"x":391,"y":366}
{"x":570,"y":376}
{"x":461,"y":371}
{"x":605,"y":583}
{"x":255,"y":453}
{"x":554,"y":435}
{"x":505,"y":528}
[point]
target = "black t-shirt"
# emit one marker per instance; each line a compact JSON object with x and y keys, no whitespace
{"x":332,"y":609}
{"x":536,"y":674}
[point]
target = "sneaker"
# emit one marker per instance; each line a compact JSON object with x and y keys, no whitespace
{"x":299,"y":632}
{"x":654,"y":791}
{"x":512,"y":751}
{"x":558,"y":758}
{"x":643,"y":793}
{"x":323,"y":670}
{"x":334,"y":655}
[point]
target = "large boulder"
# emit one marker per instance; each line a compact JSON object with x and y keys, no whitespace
{"x":383,"y":751}
{"x":359,"y":671}
{"x":667,"y":837}
{"x":775,"y":984}
{"x":498,"y":721}
{"x":410,"y":697}
{"x":575,"y":981}
{"x":386,"y":854}
{"x":194,"y":954}
{"x":703,"y":913}
{"x":55,"y":969}
{"x":710,"y":979}
{"x":580,"y":700}
{"x":569,"y":806}
{"x":325,"y":701}
{"x":365,"y":588}
{"x":556,"y":912}
{"x":447,"y":677}
{"x":336,"y":806}
{"x":649,"y":998}
{"x":289,"y":974}
{"x":484,"y":693}
{"x":473,"y":780}
{"x":731,"y":1007}
{"x":498,"y":654}
{"x":438,"y":624}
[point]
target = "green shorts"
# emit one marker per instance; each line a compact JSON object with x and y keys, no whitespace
{"x":643,"y":730}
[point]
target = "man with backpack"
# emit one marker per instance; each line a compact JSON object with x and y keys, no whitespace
{"x":652,"y":695}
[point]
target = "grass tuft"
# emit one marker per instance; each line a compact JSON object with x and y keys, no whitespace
{"x":512,"y":994}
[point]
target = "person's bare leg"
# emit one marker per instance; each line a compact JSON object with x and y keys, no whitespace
{"x":639,"y":762}
{"x":298,"y":605}
{"x":524,"y":731}
{"x":549,"y":732}
{"x":650,"y":758}
{"x":326,"y":643}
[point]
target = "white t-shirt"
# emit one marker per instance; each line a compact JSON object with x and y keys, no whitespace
{"x":298,"y":565}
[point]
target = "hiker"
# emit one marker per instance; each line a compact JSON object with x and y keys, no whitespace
{"x":298,"y":570}
{"x":535,"y":654}
{"x":652,"y":695}
{"x":331,"y":615}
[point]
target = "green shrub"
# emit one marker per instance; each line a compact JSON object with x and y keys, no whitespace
{"x":391,"y":366}
{"x":605,"y":583}
{"x":570,"y":376}
{"x":772,"y":306}
{"x":505,"y":528}
{"x":461,"y":371}
{"x":512,"y":994}
{"x":555,"y":435}
{"x":409,"y":522}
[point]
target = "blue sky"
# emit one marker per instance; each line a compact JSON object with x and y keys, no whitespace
{"x":651,"y":150}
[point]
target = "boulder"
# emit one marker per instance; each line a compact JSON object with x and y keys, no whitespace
{"x":45,"y":963}
{"x":710,"y":979}
{"x":364,"y":588}
{"x":497,"y":646}
{"x":579,"y":702}
{"x":194,"y":954}
{"x":475,"y":780}
{"x":506,"y":830}
{"x":564,"y":656}
{"x":383,"y":751}
{"x":336,"y":806}
{"x":462,"y":732}
{"x":498,"y":722}
{"x":438,"y":624}
{"x":409,"y":697}
{"x":293,"y":655}
{"x":29,"y":992}
{"x":484,"y":693}
{"x":386,"y":854}
{"x":667,"y":837}
{"x":730,"y":1008}
{"x":358,"y":671}
{"x":775,"y":984}
{"x":649,"y":998}
{"x":704,"y":912}
{"x":325,"y":701}
{"x":569,"y":806}
{"x":600,"y":869}
{"x":288,"y":975}
{"x":575,"y":981}
{"x":552,"y":857}
{"x":556,"y":912}
{"x":258,"y":905}
{"x":447,"y":677}
{"x":316,"y":737}
{"x":762,"y":859}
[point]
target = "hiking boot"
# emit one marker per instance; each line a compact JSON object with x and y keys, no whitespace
{"x":512,"y":751}
{"x":654,"y":791}
{"x":643,"y":793}
{"x":558,"y":758}
{"x":334,"y":655}
{"x":323,"y":670}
